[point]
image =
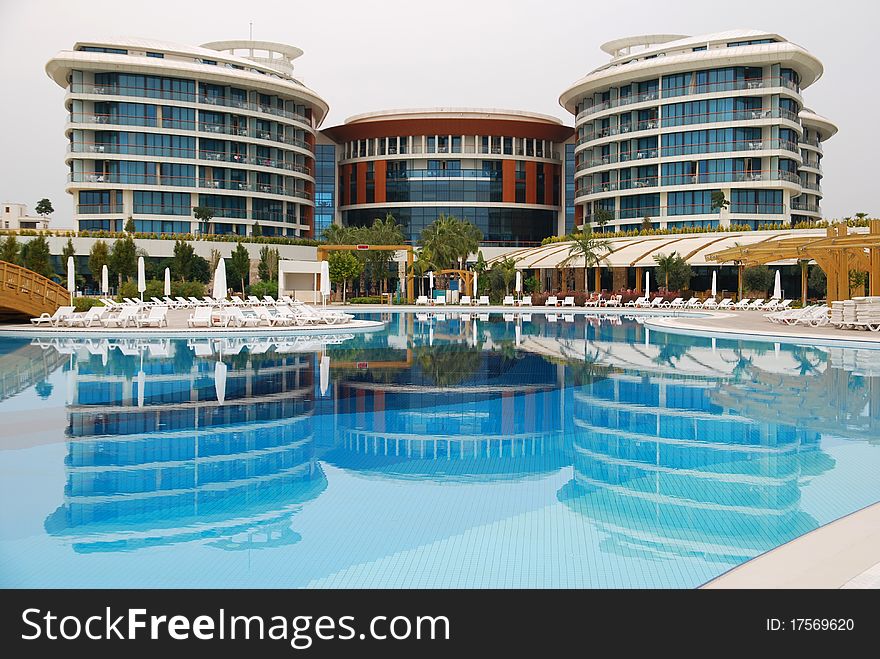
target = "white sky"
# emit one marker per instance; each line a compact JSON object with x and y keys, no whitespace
{"x":368,"y":55}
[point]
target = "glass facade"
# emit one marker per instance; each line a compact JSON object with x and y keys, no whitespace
{"x":508,"y":226}
{"x":569,"y":188}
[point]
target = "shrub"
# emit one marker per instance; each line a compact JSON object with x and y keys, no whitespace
{"x":370,"y":299}
{"x":758,"y":279}
{"x":85,"y":303}
{"x":262,"y":288}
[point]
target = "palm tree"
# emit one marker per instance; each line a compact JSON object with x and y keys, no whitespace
{"x":420,"y":267}
{"x":592,"y":250}
{"x":666,"y":263}
{"x":450,"y":240}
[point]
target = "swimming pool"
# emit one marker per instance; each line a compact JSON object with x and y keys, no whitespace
{"x":448,"y":450}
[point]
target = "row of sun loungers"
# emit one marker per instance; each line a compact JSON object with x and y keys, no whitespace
{"x":97,"y":316}
{"x":296,"y":314}
{"x":858,"y":313}
{"x":206,"y":313}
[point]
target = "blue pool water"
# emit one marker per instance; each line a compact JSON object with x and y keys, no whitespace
{"x":444,"y":451}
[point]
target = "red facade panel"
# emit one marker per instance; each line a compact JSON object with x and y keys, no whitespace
{"x":379,"y":179}
{"x":508,"y":181}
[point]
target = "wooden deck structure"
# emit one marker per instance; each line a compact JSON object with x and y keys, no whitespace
{"x":23,"y":292}
{"x":838,"y":253}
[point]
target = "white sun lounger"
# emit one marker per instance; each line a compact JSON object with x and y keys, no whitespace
{"x":156,"y":317}
{"x":54,"y":319}
{"x":124,"y":318}
{"x":200,"y":317}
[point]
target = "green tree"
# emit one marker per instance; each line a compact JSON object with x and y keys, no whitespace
{"x":502,"y":274}
{"x":182,"y":261}
{"x":240,"y":265}
{"x":129,"y":225}
{"x":602,"y":217}
{"x":719,"y":201}
{"x":344,"y":266}
{"x":257,"y":230}
{"x":44,"y":207}
{"x":450,"y":240}
{"x":66,"y":251}
{"x":201,"y":269}
{"x":203,"y":215}
{"x":382,"y":232}
{"x":673,"y":270}
{"x":10,"y":250}
{"x":123,"y":259}
{"x":817,"y":281}
{"x":99,"y":256}
{"x":647,"y":225}
{"x":586,"y":246}
{"x":268,"y":266}
{"x":336,"y":234}
{"x":421,"y":266}
{"x":37,"y":257}
{"x":759,"y":278}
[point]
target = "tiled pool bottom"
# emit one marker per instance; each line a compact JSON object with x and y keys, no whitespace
{"x":522,"y":454}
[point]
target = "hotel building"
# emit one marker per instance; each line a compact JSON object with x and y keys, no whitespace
{"x":156,"y":129}
{"x":672,"y":119}
{"x":502,"y":170}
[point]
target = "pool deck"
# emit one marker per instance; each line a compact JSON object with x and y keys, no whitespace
{"x":840,"y":554}
{"x":749,"y":324}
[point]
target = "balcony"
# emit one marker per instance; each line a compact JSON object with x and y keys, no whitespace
{"x":182,"y":125}
{"x":165,"y":95}
{"x":689,"y":179}
{"x":744,"y":84}
{"x":185,"y":181}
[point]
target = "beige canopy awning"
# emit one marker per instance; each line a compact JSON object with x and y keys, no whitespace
{"x":639,"y":251}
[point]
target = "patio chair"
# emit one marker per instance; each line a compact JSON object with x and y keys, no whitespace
{"x":268,"y":299}
{"x":757,"y":305}
{"x":552,"y":301}
{"x":568,"y":301}
{"x":726,"y":303}
{"x":465,"y":300}
{"x":124,"y":318}
{"x":655,"y":303}
{"x":677,"y":302}
{"x":743,"y":304}
{"x":422,"y":300}
{"x":593,"y":301}
{"x":483,"y":301}
{"x":196,"y":302}
{"x":526,"y":301}
{"x":693,"y":303}
{"x":53,"y":319}
{"x":709,"y":303}
{"x":637,"y":302}
{"x":440,"y":300}
{"x":156,"y":317}
{"x":157,"y":302}
{"x":200,"y":317}
{"x":508,"y":301}
{"x":86,"y":318}
{"x":238,"y":302}
{"x":614,"y":301}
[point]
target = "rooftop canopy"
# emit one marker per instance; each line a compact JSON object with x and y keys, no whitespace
{"x":639,"y":251}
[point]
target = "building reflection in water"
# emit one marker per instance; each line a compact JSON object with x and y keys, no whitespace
{"x":458,"y":400}
{"x":164,"y":446}
{"x":677,"y":446}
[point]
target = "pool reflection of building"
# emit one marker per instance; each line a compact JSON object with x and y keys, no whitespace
{"x":166,"y":447}
{"x":665,"y":465}
{"x":450,"y":407}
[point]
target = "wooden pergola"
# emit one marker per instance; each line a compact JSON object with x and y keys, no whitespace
{"x":837,"y":254}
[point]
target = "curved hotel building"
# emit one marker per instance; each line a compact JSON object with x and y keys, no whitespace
{"x":156,"y":129}
{"x":502,"y":170}
{"x":672,"y":119}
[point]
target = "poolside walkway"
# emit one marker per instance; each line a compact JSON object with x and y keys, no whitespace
{"x":754,"y":325}
{"x":841,"y":554}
